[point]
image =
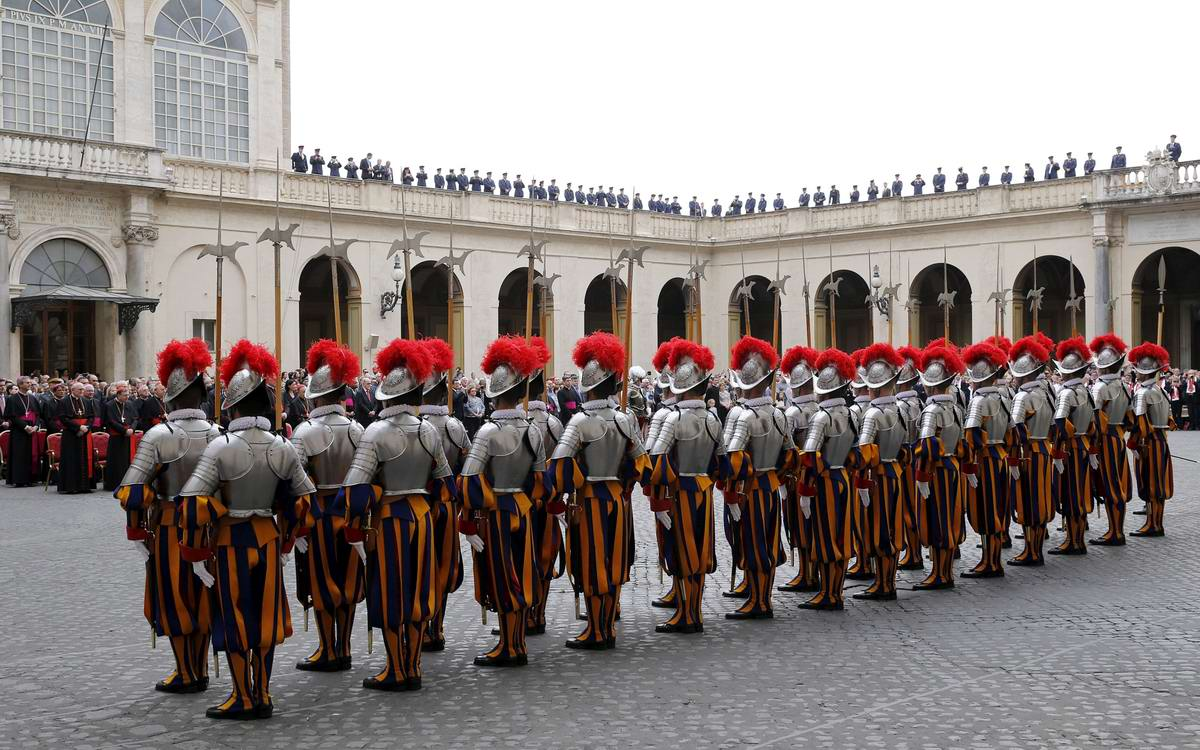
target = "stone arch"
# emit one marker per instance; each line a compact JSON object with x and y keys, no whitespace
{"x":193,"y":279}
{"x":430,"y":308}
{"x":116,"y":270}
{"x":597,"y":306}
{"x":1181,"y":304}
{"x":672,"y":310}
{"x":853,"y":317}
{"x":1053,"y":277}
{"x":762,"y":310}
{"x":926,"y":317}
{"x":315,"y":306}
{"x":510,"y":307}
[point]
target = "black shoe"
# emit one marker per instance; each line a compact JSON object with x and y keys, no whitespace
{"x":1108,"y":542}
{"x":579,"y":645}
{"x":611,"y":643}
{"x":1067,"y":551}
{"x":412,"y":683}
{"x":433,"y":645}
{"x":1152,"y":532}
{"x":495,"y":631}
{"x":535,"y":629}
{"x":1141,"y":512}
{"x":687,"y":628}
{"x":982,"y":574}
{"x":799,"y":588}
{"x":824,"y":606}
{"x":861,"y":575}
{"x":743,"y":594}
{"x":232,"y":714}
{"x":1006,"y":544}
{"x":370,"y":683}
{"x":752,"y":615}
{"x":264,"y":710}
{"x":912,"y":565}
{"x":663,"y":603}
{"x":345,"y":662}
{"x":1027,"y":562}
{"x":179,"y":687}
{"x":483,"y":660}
{"x":935,"y":586}
{"x":875,"y":596}
{"x":323,"y":665}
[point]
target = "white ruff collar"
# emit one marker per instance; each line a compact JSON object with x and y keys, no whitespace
{"x":181,"y":414}
{"x":537,"y":406}
{"x":514,"y":413}
{"x":750,"y":403}
{"x":392,"y":411}
{"x":245,"y":423}
{"x":321,"y":411}
{"x":435,"y":410}
{"x":691,"y":403}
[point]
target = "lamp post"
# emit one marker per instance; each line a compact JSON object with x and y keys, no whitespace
{"x":389,"y":300}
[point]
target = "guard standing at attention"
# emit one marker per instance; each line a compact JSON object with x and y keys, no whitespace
{"x":547,"y":534}
{"x":936,"y":459}
{"x":175,"y":603}
{"x":1111,"y":481}
{"x":908,"y":402}
{"x":660,"y":495}
{"x":1148,"y":438}
{"x":986,"y":466}
{"x":1029,"y":448}
{"x":1075,"y":451}
{"x":799,"y":363}
{"x":328,"y":569}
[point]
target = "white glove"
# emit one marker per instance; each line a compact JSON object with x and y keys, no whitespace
{"x":1094,"y":462}
{"x":735,"y":512}
{"x":806,"y":506}
{"x":301,"y":544}
{"x":83,"y":430}
{"x":973,"y":481}
{"x":202,"y":573}
{"x":664,"y":518}
{"x":360,"y":549}
{"x":783,"y":492}
{"x":285,"y":558}
{"x":1014,"y":472}
{"x":864,"y":496}
{"x":142,"y":550}
{"x":923,"y":489}
{"x":475,"y":541}
{"x":1059,"y":466}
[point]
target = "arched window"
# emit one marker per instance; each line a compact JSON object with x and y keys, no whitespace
{"x":201,"y":82}
{"x":63,"y":262}
{"x":50,"y":52}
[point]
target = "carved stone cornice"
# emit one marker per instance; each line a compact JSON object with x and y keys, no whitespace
{"x":139,"y":234}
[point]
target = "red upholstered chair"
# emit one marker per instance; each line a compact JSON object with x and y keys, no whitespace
{"x":100,"y":447}
{"x":53,"y":453}
{"x":4,"y":438}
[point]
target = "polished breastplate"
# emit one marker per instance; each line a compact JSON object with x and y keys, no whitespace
{"x":183,"y":445}
{"x":251,"y":463}
{"x":510,"y":457}
{"x":328,"y":443}
{"x":696,"y":440}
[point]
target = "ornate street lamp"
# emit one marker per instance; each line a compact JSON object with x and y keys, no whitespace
{"x":389,"y":300}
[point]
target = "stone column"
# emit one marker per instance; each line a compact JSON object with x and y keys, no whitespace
{"x":139,"y":344}
{"x":1100,"y":287}
{"x":9,"y":230}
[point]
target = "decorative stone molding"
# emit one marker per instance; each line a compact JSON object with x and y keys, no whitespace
{"x":1162,"y":173}
{"x":139,"y":233}
{"x":9,"y":221}
{"x":1102,"y":241}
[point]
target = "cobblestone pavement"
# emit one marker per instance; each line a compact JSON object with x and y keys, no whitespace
{"x":1095,"y":651}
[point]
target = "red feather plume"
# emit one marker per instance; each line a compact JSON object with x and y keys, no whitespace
{"x":343,"y":363}
{"x":441,"y":356}
{"x":512,"y":351}
{"x":192,"y":355}
{"x":1108,"y":340}
{"x":985,"y":350}
{"x":1002,"y":342}
{"x":701,"y":355}
{"x":1150,"y":350}
{"x":947,"y":354}
{"x":1045,"y":341}
{"x":886,"y":352}
{"x":405,"y":353}
{"x":910,"y":352}
{"x":248,"y":354}
{"x":940,"y":341}
{"x":748,"y":345}
{"x":840,"y":360}
{"x":1074,"y":344}
{"x":603,"y":347}
{"x":541,"y":352}
{"x":1031,"y":346}
{"x":663,"y":353}
{"x":798,"y":354}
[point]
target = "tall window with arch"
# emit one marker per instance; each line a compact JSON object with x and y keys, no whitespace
{"x":51,"y":50}
{"x":201,"y":82}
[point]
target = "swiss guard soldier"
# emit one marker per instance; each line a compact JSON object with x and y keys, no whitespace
{"x":936,"y":463}
{"x":447,"y":552}
{"x":1111,"y":481}
{"x":1148,"y":437}
{"x":328,"y":569}
{"x":760,"y":450}
{"x":799,"y":362}
{"x":1073,"y":436}
{"x":547,"y":534}
{"x":660,"y":495}
{"x":860,"y":569}
{"x":908,"y":402}
{"x":227,"y":514}
{"x":986,"y":466}
{"x":1029,"y":449}
{"x":398,"y":475}
{"x":501,"y":480}
{"x":879,"y":512}
{"x":687,"y":455}
{"x":824,"y":481}
{"x":176,"y":605}
{"x":599,"y":452}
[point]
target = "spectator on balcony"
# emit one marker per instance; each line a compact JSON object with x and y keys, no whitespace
{"x":1051,"y":172}
{"x":364,"y":166}
{"x":422,"y":177}
{"x":611,"y":197}
{"x":985,"y":179}
{"x":622,"y":199}
{"x":637,"y":201}
{"x":383,"y":170}
{"x":543,"y":193}
{"x":1174,"y":149}
{"x":590,"y":196}
{"x":505,"y":184}
{"x":716,"y":208}
{"x":580,"y":197}
{"x":961,"y":179}
{"x":439,"y":181}
{"x":553,"y":190}
{"x":463,"y":180}
{"x":406,"y":176}
{"x":299,"y":161}
{"x":854,"y":194}
{"x":735,"y":206}
{"x":335,"y":167}
{"x":693,"y":207}
{"x":818,"y":198}
{"x":1028,"y":172}
{"x":873,"y":192}
{"x":939,"y":181}
{"x":804,"y":198}
{"x":476,"y":182}
{"x":351,"y":169}
{"x":1069,"y":165}
{"x":897,"y":187}
{"x":1089,"y":166}
{"x":518,"y":187}
{"x":835,"y":195}
{"x":569,"y":194}
{"x":762,"y":203}
{"x":1006,"y":176}
{"x":887,"y":192}
{"x":918,"y":186}
{"x":675,"y":207}
{"x":1118,"y":160}
{"x":317,"y":162}
{"x":750,"y":203}
{"x":489,"y":184}
{"x":778,"y":205}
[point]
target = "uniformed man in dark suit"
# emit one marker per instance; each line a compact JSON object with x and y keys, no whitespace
{"x":854,"y":194}
{"x":804,"y":198}
{"x":762,"y":203}
{"x":778,"y":205}
{"x":542,"y":193}
{"x":693,"y":207}
{"x":1174,"y":149}
{"x":335,"y":167}
{"x":591,"y":196}
{"x":1006,"y":176}
{"x":897,"y":187}
{"x":505,"y":184}
{"x":489,"y":184}
{"x":1028,"y":172}
{"x":872,"y":191}
{"x":1068,"y":165}
{"x":422,"y":176}
{"x":818,"y":198}
{"x":1118,"y":160}
{"x":518,"y":187}
{"x":351,"y":169}
{"x":750,"y":203}
{"x":918,"y":186}
{"x":735,"y":206}
{"x":835,"y":195}
{"x":364,"y":166}
{"x":637,"y":201}
{"x":452,"y":180}
{"x":985,"y":179}
{"x":939,"y":181}
{"x":299,"y":161}
{"x":569,"y":194}
{"x":887,"y":192}
{"x":716,"y":208}
{"x":317,"y":162}
{"x":463,"y":182}
{"x":476,"y":182}
{"x":579,"y":196}
{"x":675,"y":207}
{"x":439,"y":181}
{"x":961,"y":179}
{"x":552,"y":191}
{"x":1051,"y":172}
{"x":610,"y":197}
{"x":1089,"y":166}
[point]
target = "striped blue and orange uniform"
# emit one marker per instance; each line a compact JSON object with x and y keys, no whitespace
{"x":689,"y":546}
{"x":1032,"y":492}
{"x":1111,"y":482}
{"x":988,"y":502}
{"x":828,"y":525}
{"x":447,"y":557}
{"x":759,"y":549}
{"x":880,"y":524}
{"x":335,"y":572}
{"x":1074,"y":483}
{"x":1152,"y":461}
{"x":940,"y":515}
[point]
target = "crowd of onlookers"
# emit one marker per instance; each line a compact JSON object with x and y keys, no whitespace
{"x":371,"y":168}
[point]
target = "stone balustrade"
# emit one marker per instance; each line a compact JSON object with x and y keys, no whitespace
{"x":73,"y":159}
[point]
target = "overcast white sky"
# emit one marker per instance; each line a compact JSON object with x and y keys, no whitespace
{"x":717,"y":98}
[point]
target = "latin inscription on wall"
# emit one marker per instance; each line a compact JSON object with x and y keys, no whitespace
{"x":1164,"y":227}
{"x":70,"y":208}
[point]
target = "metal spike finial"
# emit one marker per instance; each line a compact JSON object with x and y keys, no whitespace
{"x":633,"y":254}
{"x":779,"y":285}
{"x":219,"y":251}
{"x":283,"y":237}
{"x":454,"y":261}
{"x":408,"y":244}
{"x":547,"y":282}
{"x":337,"y":250}
{"x":533,"y":250}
